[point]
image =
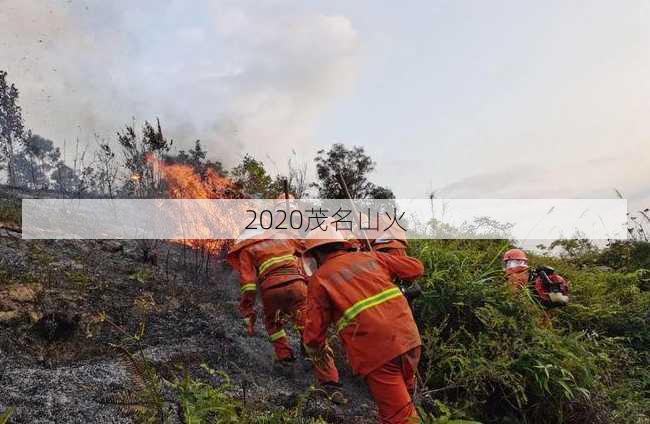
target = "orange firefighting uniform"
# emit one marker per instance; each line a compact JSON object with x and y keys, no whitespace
{"x":273,"y":266}
{"x":354,"y":291}
{"x":517,"y":277}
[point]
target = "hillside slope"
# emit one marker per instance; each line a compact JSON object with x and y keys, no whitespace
{"x":105,"y":331}
{"x":180,"y":313}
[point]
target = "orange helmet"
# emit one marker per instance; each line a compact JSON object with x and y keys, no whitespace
{"x":515,"y":260}
{"x":319,"y":237}
{"x":515,"y":254}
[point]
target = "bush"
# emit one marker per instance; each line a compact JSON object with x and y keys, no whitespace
{"x":200,"y":401}
{"x":207,"y":398}
{"x":626,"y":255}
{"x":495,"y":356}
{"x":611,"y":304}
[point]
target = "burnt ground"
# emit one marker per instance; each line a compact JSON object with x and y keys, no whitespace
{"x":70,"y":309}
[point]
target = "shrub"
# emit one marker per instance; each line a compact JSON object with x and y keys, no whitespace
{"x":499,"y":357}
{"x":200,"y":401}
{"x":625,"y":255}
{"x":610,"y":304}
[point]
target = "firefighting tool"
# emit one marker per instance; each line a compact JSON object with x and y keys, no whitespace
{"x":551,"y":288}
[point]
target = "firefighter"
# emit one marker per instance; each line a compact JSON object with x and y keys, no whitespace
{"x":354,"y":292}
{"x":550,"y":288}
{"x":270,"y":263}
{"x":515,"y":264}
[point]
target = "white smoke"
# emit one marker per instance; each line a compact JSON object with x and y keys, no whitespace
{"x":237,"y":75}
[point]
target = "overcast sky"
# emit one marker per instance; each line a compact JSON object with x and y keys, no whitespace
{"x":468,"y":98}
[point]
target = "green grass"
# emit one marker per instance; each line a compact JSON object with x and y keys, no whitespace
{"x":488,"y":356}
{"x":202,"y":402}
{"x":206,"y":398}
{"x":141,"y":275}
{"x":6,"y":415}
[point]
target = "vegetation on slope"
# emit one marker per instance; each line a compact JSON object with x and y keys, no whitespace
{"x":493,"y":356}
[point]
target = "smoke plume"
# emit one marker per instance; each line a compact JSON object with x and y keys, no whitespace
{"x":238,"y":75}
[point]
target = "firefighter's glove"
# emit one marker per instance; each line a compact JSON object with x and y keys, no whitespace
{"x":558,"y":298}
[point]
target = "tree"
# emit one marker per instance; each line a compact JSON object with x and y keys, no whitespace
{"x":107,"y":169}
{"x":251,"y":177}
{"x":140,"y":155}
{"x":27,"y":173}
{"x":340,"y":168}
{"x":296,"y":182}
{"x":11,"y":125}
{"x":197,"y":158}
{"x":65,"y":179}
{"x":574,"y":248}
{"x":379,"y":192}
{"x":35,"y":162}
{"x":87,"y":180}
{"x":626,"y":255}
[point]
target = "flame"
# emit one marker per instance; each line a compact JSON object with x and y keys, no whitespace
{"x":183,"y":182}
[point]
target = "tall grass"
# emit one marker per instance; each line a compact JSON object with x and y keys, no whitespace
{"x":497,"y":357}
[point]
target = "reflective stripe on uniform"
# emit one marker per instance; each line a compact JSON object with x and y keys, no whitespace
{"x":277,"y":336}
{"x":273,"y":261}
{"x":351,"y":313}
{"x":248,"y":287}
